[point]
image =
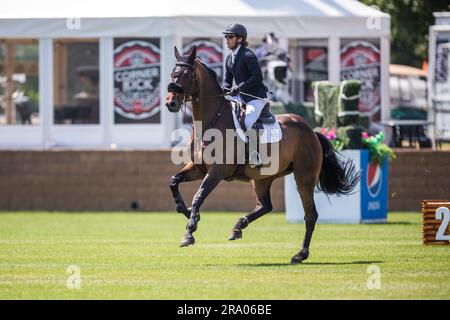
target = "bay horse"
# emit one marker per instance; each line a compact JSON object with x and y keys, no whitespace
{"x":308,"y":154}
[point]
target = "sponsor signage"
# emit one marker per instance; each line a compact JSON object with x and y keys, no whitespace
{"x":360,"y":60}
{"x":137,"y":80}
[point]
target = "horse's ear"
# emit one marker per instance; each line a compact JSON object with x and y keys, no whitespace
{"x":193,"y":53}
{"x":177,"y":54}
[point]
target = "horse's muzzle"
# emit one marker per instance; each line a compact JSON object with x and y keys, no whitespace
{"x":173,"y":102}
{"x":172,"y":106}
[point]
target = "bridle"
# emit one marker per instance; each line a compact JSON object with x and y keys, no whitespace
{"x":177,"y":88}
{"x":187,"y":94}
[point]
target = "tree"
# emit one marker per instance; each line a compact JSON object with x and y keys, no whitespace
{"x":410,"y":20}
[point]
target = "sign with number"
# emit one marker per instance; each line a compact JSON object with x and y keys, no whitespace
{"x":436,"y":222}
{"x":443,"y":213}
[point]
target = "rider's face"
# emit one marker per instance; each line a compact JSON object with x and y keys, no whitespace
{"x":232,"y":41}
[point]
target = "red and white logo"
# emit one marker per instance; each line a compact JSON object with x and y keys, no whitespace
{"x":360,"y":60}
{"x":137,"y":79}
{"x":210,"y":53}
{"x":374,"y":179}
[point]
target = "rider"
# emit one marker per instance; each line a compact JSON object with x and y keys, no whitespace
{"x":242,"y":66}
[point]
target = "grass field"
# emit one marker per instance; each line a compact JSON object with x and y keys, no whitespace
{"x":136,"y":256}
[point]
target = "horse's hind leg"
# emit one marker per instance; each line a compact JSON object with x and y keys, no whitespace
{"x":305,"y":184}
{"x":263,"y":206}
{"x":190,"y":172}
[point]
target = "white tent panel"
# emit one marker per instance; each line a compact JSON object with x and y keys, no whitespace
{"x":288,"y":18}
{"x":13,"y":9}
{"x":288,"y":27}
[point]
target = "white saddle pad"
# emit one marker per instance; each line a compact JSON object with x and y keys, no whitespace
{"x":270,"y":134}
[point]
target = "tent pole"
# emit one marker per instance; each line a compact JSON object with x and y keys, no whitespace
{"x":9,"y":82}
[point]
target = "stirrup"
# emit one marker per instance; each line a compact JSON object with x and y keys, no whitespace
{"x":255,"y":160}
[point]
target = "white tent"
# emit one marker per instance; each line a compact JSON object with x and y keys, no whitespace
{"x":171,"y":21}
{"x":439,"y":77}
{"x":288,"y":18}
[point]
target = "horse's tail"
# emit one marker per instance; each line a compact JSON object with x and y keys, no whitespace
{"x":336,"y":176}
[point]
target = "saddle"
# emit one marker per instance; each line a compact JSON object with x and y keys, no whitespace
{"x":271,"y":131}
{"x":266,"y":116}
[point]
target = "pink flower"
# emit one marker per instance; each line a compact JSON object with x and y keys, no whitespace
{"x":365,"y":135}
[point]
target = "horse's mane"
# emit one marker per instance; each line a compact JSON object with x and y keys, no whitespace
{"x":212,"y":74}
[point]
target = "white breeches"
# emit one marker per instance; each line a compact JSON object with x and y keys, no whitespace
{"x":252,"y":111}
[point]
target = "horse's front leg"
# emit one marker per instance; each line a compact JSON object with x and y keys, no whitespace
{"x":210,"y":181}
{"x":190,"y":172}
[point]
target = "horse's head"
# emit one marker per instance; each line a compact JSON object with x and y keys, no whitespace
{"x":182,"y":80}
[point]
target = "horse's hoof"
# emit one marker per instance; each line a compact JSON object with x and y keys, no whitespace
{"x":185,"y":211}
{"x":296,"y":259}
{"x":235,"y":234}
{"x":300,"y":257}
{"x":187,"y":241}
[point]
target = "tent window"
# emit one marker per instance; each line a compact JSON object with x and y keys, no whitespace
{"x":310,"y":64}
{"x":76,"y":81}
{"x":19,"y":81}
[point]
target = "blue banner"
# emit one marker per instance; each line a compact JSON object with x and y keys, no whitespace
{"x":374,"y":189}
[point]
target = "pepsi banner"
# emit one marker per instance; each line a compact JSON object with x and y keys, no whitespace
{"x":366,"y":204}
{"x":374,"y":189}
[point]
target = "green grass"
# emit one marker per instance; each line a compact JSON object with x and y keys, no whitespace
{"x":136,"y":256}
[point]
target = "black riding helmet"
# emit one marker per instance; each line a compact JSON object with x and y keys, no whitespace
{"x":237,"y":29}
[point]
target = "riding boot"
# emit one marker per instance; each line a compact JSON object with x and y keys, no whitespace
{"x":254,"y":159}
{"x":241,"y":117}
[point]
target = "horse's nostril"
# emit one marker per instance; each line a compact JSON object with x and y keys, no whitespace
{"x":172,"y":106}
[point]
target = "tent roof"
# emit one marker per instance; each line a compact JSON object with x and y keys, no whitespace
{"x":14,"y":9}
{"x":197,"y":18}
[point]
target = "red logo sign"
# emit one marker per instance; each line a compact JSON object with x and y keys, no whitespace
{"x":360,"y":60}
{"x":137,"y":80}
{"x":210,"y":53}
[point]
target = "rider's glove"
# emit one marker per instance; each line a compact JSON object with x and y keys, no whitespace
{"x":234,"y":91}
